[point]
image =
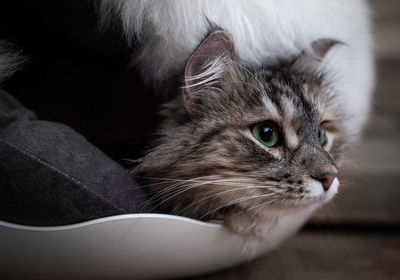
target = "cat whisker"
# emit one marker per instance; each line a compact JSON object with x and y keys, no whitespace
{"x":235,"y":202}
{"x":183,"y":187}
{"x":218,"y":194}
{"x":226,"y":182}
{"x":259,"y":205}
{"x":186,"y":188}
{"x":195,"y":179}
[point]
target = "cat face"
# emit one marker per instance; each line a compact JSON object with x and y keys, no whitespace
{"x":259,"y":143}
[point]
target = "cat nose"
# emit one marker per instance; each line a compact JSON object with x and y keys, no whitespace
{"x":326,"y":180}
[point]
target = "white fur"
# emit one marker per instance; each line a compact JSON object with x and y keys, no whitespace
{"x":270,"y":107}
{"x":263,"y":31}
{"x":209,"y":75}
{"x":289,"y":113}
{"x":291,"y":138}
{"x":317,"y":191}
{"x":288,"y":108}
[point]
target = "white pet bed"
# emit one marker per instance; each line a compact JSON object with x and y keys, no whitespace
{"x":130,"y":246}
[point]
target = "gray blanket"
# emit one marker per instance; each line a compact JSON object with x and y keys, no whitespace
{"x":50,"y":175}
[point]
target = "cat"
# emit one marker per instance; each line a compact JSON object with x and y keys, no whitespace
{"x":265,"y":73}
{"x":260,"y":127}
{"x":247,"y":146}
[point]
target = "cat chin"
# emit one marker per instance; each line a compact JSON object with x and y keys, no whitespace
{"x":284,"y":211}
{"x":257,"y":225}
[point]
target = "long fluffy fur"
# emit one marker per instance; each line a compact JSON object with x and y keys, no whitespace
{"x":208,"y":165}
{"x":263,"y":31}
{"x":10,"y":60}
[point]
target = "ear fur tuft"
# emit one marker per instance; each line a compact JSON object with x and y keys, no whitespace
{"x":205,"y":67}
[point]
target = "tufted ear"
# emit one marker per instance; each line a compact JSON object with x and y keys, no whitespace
{"x":205,"y":67}
{"x":310,"y":60}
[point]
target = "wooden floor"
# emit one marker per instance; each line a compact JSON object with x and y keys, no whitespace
{"x":358,"y":235}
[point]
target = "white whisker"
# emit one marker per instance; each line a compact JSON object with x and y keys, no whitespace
{"x":236,"y":201}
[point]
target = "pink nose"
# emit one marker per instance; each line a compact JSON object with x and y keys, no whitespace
{"x":326,"y":180}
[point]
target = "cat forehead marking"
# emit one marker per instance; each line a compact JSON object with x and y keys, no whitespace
{"x":288,"y":108}
{"x":270,"y":107}
{"x":292,"y":140}
{"x":288,"y":118}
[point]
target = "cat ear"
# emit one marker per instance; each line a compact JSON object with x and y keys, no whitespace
{"x":206,"y":65}
{"x":310,"y":59}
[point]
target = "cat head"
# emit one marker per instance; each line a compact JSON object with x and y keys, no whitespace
{"x":266,"y":140}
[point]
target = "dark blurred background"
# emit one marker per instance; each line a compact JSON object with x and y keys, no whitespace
{"x":80,"y":76}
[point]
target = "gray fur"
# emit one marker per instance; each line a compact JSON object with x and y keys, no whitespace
{"x":206,"y":164}
{"x":10,"y":60}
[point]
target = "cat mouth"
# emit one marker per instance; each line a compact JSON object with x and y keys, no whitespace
{"x":319,"y":195}
{"x":310,"y":201}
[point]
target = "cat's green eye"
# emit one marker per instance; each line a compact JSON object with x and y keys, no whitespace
{"x":322,"y":136}
{"x":266,"y":133}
